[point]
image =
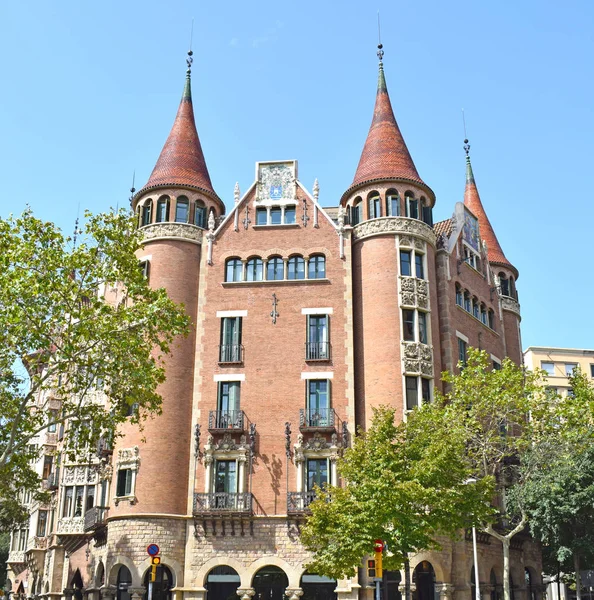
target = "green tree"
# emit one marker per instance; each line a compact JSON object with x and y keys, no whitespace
{"x":4,"y":548}
{"x":405,"y":484}
{"x":75,"y":318}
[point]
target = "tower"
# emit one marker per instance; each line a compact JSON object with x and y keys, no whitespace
{"x":394,"y":300}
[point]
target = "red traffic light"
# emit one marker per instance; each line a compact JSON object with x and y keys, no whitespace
{"x":378,"y":546}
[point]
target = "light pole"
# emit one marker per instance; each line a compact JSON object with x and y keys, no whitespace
{"x":477,"y":589}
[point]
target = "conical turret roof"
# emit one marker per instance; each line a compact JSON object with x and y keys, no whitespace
{"x":385,"y":155}
{"x":472,"y":200}
{"x":181,"y":162}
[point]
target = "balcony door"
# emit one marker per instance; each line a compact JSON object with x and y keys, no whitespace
{"x":318,"y":403}
{"x":231,"y":339}
{"x":317,"y":473}
{"x":228,"y":415}
{"x":225,"y":483}
{"x":317,"y":337}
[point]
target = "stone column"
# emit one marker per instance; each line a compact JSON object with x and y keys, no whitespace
{"x":136,"y":593}
{"x":245,"y":593}
{"x":68,"y":593}
{"x":446,"y":590}
{"x":107,"y":592}
{"x":293,"y":593}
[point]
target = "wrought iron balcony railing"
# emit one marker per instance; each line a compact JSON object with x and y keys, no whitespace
{"x":95,"y":518}
{"x":231,"y":353}
{"x":298,"y":502}
{"x":317,"y":350}
{"x":214,"y":503}
{"x":225,"y":419}
{"x":317,"y":419}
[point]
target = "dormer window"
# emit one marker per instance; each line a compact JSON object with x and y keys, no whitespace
{"x":411,"y":206}
{"x":471,"y":258}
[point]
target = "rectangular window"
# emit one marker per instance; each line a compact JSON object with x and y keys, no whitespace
{"x":462,"y":352}
{"x":569,"y":367}
{"x":226,"y":477}
{"x":145,"y":266}
{"x":428,"y":215}
{"x":426,"y":390}
{"x":79,"y":496}
{"x":181,"y":211}
{"x":466,"y":301}
{"x":375,"y":209}
{"x":228,"y":405}
{"x":90,"y":501}
{"x":408,"y":325}
{"x":412,"y":208}
{"x":68,"y":496}
{"x":48,"y":462}
{"x":591,"y":370}
{"x":412,"y":393}
{"x":289,"y":215}
{"x":549,"y":367}
{"x":52,"y":416}
{"x":423,"y":328}
{"x":41,"y":523}
{"x":261,"y":216}
{"x":317,"y":473}
{"x":230,"y":349}
{"x":200,"y":216}
{"x":419,"y":270}
{"x":405,"y":263}
{"x":318,"y":347}
{"x":276,"y":216}
{"x":459,"y":296}
{"x":393,"y":203}
{"x":124,"y":484}
{"x":318,"y":402}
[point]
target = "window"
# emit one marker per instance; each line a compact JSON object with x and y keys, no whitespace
{"x":68,"y":496}
{"x":78,"y":500}
{"x":374,"y":206}
{"x":459,"y":295}
{"x":356,"y":212}
{"x":549,"y":367}
{"x":48,"y":463}
{"x":317,"y":473}
{"x":412,"y":207}
{"x":475,"y":307}
{"x":90,"y":502}
{"x":408,"y":325}
{"x":503,"y":284}
{"x":392,"y":203}
{"x":51,"y":418}
{"x":200,"y":215}
{"x":41,"y":523}
{"x":483,"y":314}
{"x":230,"y":348}
{"x":131,"y":408}
{"x":254,"y":269}
{"x":163,"y":209}
{"x":296,"y":268}
{"x":317,"y":346}
{"x":275,"y":268}
{"x":423,"y":327}
{"x":472,"y":259}
{"x":569,"y":367}
{"x":570,"y":393}
{"x":229,"y":414}
{"x":289,"y":215}
{"x":591,"y":370}
{"x":496,"y":365}
{"x":145,"y":268}
{"x":491,"y":319}
{"x":317,"y":267}
{"x":233,"y":270}
{"x":466,"y":301}
{"x":276,"y":215}
{"x":412,"y":393}
{"x":147,"y":212}
{"x":428,"y":215}
{"x":419,"y":270}
{"x":226,"y":477}
{"x":425,"y":389}
{"x":318,"y":402}
{"x":124,"y":483}
{"x":462,"y":352}
{"x":261,"y":216}
{"x":405,"y":263}
{"x":182,"y":209}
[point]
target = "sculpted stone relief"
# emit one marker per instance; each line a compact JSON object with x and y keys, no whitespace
{"x":414,"y":292}
{"x":184,"y":231}
{"x":398,"y":225}
{"x":418,"y":358}
{"x":510,"y":304}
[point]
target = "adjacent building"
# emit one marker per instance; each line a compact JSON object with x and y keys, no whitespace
{"x":304,"y":318}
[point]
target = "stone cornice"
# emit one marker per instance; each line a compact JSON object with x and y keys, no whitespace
{"x":394,"y":225}
{"x":172,"y":231}
{"x":510,"y":305}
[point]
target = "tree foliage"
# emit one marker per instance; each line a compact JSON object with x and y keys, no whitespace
{"x":76,"y":319}
{"x":405,"y":484}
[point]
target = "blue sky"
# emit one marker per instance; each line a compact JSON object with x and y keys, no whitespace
{"x":90,"y":91}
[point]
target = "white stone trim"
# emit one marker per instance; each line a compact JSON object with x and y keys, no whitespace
{"x":231,"y":313}
{"x":462,"y":337}
{"x":494,"y":358}
{"x":317,"y":375}
{"x":145,"y":257}
{"x":229,"y":377}
{"x":317,"y":311}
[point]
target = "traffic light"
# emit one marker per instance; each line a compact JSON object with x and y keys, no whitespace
{"x":378,"y":548}
{"x":371,"y":569}
{"x":155,"y":562}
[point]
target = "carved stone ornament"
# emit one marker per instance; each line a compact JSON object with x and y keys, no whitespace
{"x":293,"y":593}
{"x":418,"y":358}
{"x":128,"y":458}
{"x":168,"y":231}
{"x":317,"y":442}
{"x":236,"y":193}
{"x":226,"y":444}
{"x":405,"y":241}
{"x":420,"y":245}
{"x":71,"y":525}
{"x":245,"y":593}
{"x":414,"y":292}
{"x":511,"y":305}
{"x":394,"y":225}
{"x":277,"y":182}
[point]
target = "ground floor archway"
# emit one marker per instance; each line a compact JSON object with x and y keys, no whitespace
{"x":424,"y":580}
{"x":270,"y":583}
{"x":222,"y":583}
{"x":317,"y":587}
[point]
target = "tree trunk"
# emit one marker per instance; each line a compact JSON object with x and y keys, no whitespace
{"x":578,"y":581}
{"x":407,"y":595}
{"x":505,"y":542}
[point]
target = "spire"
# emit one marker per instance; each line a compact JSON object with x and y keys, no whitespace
{"x":385,"y":155}
{"x":472,"y":201}
{"x":181,"y":161}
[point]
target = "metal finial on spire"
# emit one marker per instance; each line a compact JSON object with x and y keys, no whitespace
{"x":380,"y":46}
{"x":132,"y":189}
{"x":190,"y":60}
{"x":466,"y":144}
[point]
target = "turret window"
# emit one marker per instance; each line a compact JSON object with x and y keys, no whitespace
{"x":182,"y":209}
{"x":200,"y":215}
{"x":409,"y":326}
{"x":147,"y":212}
{"x":317,"y":267}
{"x":392,"y":203}
{"x":412,"y":207}
{"x":374,"y":205}
{"x":254,"y":269}
{"x":407,"y":257}
{"x":356,"y":212}
{"x":426,"y":212}
{"x":163,"y":209}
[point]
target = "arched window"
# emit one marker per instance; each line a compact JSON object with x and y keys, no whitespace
{"x":163,"y":209}
{"x":503,"y":284}
{"x":275,"y":269}
{"x":222,"y":582}
{"x":495,"y":588}
{"x":427,"y":212}
{"x":317,"y":267}
{"x":483,"y":314}
{"x":296,"y":268}
{"x":459,"y":295}
{"x":466,"y":301}
{"x":374,"y":205}
{"x":530,"y":591}
{"x":491,"y":319}
{"x":357,"y":211}
{"x":233,"y":269}
{"x":392,"y":203}
{"x":124,"y":581}
{"x":147,"y":212}
{"x":162,"y":586}
{"x":200,"y":214}
{"x":512,"y":288}
{"x":475,"y":307}
{"x":182,"y":209}
{"x":411,"y":205}
{"x":254,"y":269}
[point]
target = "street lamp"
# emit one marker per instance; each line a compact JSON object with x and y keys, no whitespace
{"x":476,"y":569}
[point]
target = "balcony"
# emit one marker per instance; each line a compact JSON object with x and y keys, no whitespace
{"x":53,"y":480}
{"x":318,"y":351}
{"x":230,"y":353}
{"x":317,"y":419}
{"x":225,"y":420}
{"x":16,"y":557}
{"x":298,"y":502}
{"x":104,"y":447}
{"x":95,"y":518}
{"x":71,"y":526}
{"x":222,"y":503}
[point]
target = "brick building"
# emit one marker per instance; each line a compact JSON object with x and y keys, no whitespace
{"x":304,"y":318}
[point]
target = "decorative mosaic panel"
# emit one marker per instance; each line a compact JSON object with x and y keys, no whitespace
{"x":277,"y":181}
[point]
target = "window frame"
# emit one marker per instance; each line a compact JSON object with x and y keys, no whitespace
{"x":392,"y":199}
{"x":462,"y":352}
{"x":295,"y":261}
{"x":127,"y":482}
{"x":200,"y":219}
{"x":273,"y":262}
{"x":163,"y":201}
{"x":322,"y":349}
{"x":146,"y":213}
{"x":551,"y":372}
{"x":235,"y":332}
{"x":315,"y":260}
{"x":182,"y":202}
{"x":254,"y":269}
{"x":233,"y":263}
